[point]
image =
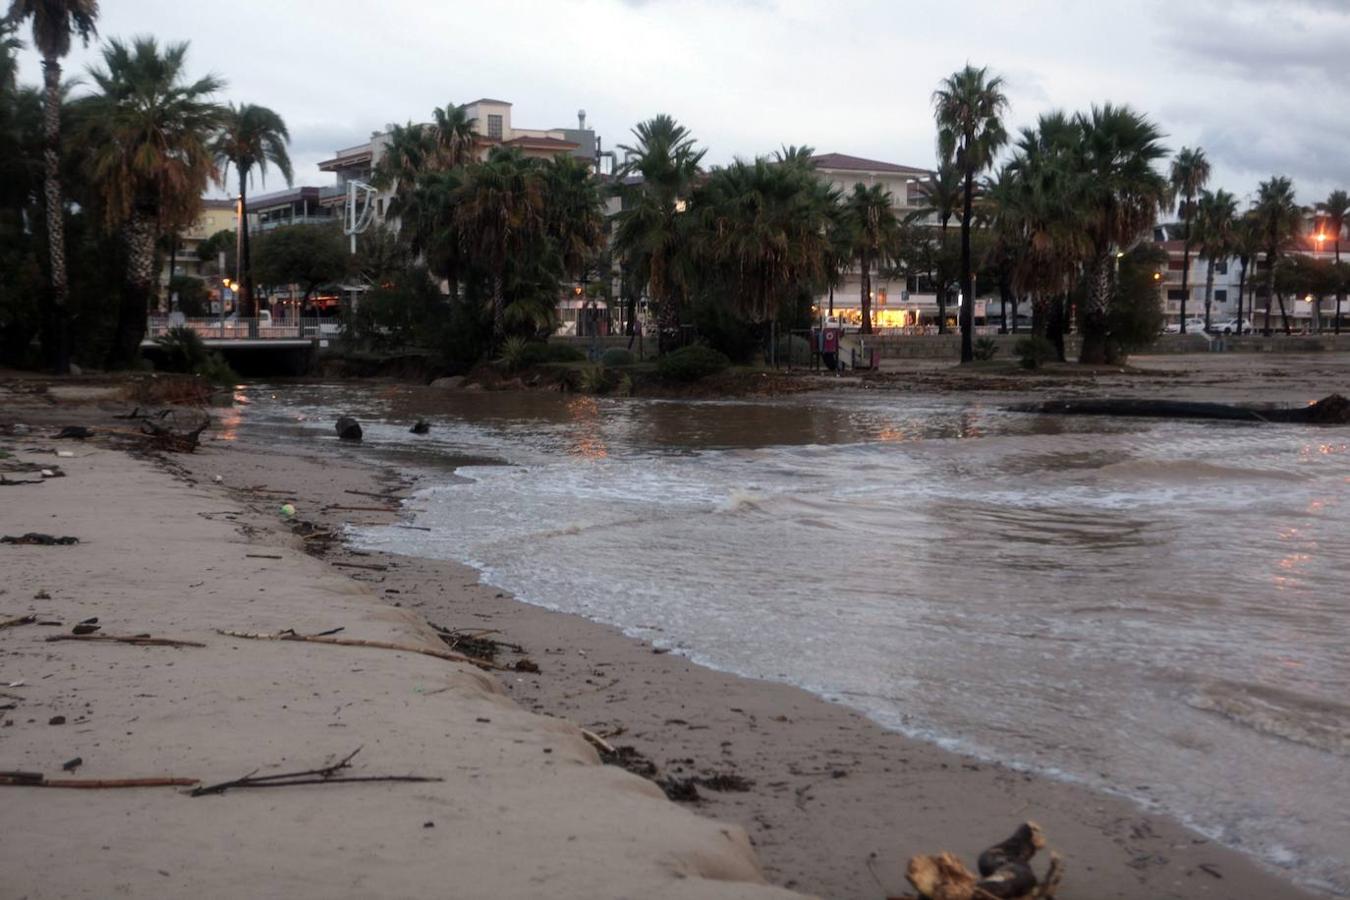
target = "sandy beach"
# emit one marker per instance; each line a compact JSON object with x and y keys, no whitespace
{"x":180,"y":547}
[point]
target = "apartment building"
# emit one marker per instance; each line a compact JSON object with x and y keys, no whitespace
{"x":908,"y":302}
{"x":216,"y":215}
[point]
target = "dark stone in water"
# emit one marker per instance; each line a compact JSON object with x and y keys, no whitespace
{"x":348,"y":429}
{"x":422,"y":427}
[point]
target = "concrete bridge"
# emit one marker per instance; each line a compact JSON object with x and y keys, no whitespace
{"x":256,"y":346}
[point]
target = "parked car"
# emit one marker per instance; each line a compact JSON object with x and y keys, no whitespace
{"x":1192,"y":324}
{"x":1230,"y":326}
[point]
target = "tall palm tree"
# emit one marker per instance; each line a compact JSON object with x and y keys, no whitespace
{"x":1041,"y":208}
{"x":148,"y":133}
{"x":55,"y":22}
{"x":1190,"y":173}
{"x":452,"y":136}
{"x":969,"y":107}
{"x":574,"y":213}
{"x":1280,"y":220}
{"x":1336,"y":208}
{"x":1216,"y":223}
{"x":942,"y":196}
{"x":250,"y":137}
{"x":501,"y":218}
{"x":1247,"y":241}
{"x":649,"y":234}
{"x":875,"y":236}
{"x":1122,"y":193}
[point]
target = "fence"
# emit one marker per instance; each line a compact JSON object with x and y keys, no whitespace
{"x":249,"y":328}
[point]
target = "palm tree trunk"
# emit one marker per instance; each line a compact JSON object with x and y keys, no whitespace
{"x":56,"y":225}
{"x":967,"y":282}
{"x":248,"y":307}
{"x":1058,"y":321}
{"x":865,"y":298}
{"x":1094,"y":350}
{"x":1186,"y":265}
{"x":1209,"y":292}
{"x":1270,"y":289}
{"x":1284,"y":315}
{"x":1242,"y":284}
{"x":1340,"y":287}
{"x":1013,"y":329}
{"x":498,"y":310}
{"x":1004,"y":292}
{"x":942,"y":287}
{"x":138,"y":291}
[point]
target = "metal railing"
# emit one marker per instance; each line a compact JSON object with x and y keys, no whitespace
{"x":257,"y":328}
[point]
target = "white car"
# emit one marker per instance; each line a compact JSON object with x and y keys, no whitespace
{"x":1230,"y":326}
{"x":1192,"y":324}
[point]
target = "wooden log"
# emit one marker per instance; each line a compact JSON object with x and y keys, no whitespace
{"x":9,"y":779}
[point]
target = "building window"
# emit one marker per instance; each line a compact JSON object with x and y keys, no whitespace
{"x":1174,"y":265}
{"x":495,"y":127}
{"x":1177,"y":294}
{"x":1221,"y":296}
{"x":1221,"y":267}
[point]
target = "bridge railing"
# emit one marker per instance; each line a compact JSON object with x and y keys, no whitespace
{"x":248,"y":328}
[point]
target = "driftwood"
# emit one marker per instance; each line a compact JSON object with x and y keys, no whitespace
{"x":363,"y":508}
{"x":1331,"y":410}
{"x":325,"y":775}
{"x":36,"y":779}
{"x":40,"y":540}
{"x":5,"y":482}
{"x":374,"y":567}
{"x":1005,"y":872}
{"x":140,"y":640}
{"x":176,"y":441}
{"x":356,"y":642}
{"x":21,"y":620}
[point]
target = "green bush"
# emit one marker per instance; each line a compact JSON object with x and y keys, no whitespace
{"x":563,"y":353}
{"x":193,"y":298}
{"x":691,"y":363}
{"x":617,"y":356}
{"x":527,"y":353}
{"x":986,"y":348}
{"x":516,"y":353}
{"x":596,"y":380}
{"x":794,"y":350}
{"x":1033,"y":351}
{"x":182,"y":349}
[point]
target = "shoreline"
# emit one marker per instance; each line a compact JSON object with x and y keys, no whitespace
{"x":838,"y":803}
{"x":815,"y":830}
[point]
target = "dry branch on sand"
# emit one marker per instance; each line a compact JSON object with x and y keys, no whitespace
{"x":1005,"y":872}
{"x":323,"y":775}
{"x":139,"y":640}
{"x":37,"y":779}
{"x":355,"y":642}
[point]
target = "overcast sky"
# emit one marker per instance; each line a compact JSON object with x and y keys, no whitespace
{"x":1259,"y":84}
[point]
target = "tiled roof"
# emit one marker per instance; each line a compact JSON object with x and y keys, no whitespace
{"x":844,"y":162}
{"x":350,"y":159}
{"x":485,"y":100}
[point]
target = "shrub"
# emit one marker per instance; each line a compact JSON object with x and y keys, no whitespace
{"x":691,"y":363}
{"x":617,"y":356}
{"x":1034,"y":350}
{"x":794,"y":350}
{"x":515,"y":353}
{"x":217,"y":371}
{"x":563,"y":353}
{"x":595,"y":380}
{"x":182,"y":348}
{"x":986,"y":348}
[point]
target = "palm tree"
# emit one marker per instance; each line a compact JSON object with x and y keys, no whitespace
{"x":1246,"y":246}
{"x":147,"y":132}
{"x":969,"y":107}
{"x":648,"y":232}
{"x":452,"y":136}
{"x":764,"y":230}
{"x":1190,"y":173}
{"x":1121,"y":195}
{"x":1040,"y":208}
{"x":574,"y":213}
{"x":875,"y":238}
{"x":942,"y":194}
{"x":54,"y":23}
{"x":501,"y":219}
{"x":1280,"y":220}
{"x":250,"y":137}
{"x":1215,"y":218}
{"x":1336,"y":208}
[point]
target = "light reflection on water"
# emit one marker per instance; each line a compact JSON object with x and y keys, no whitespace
{"x":1124,"y":603}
